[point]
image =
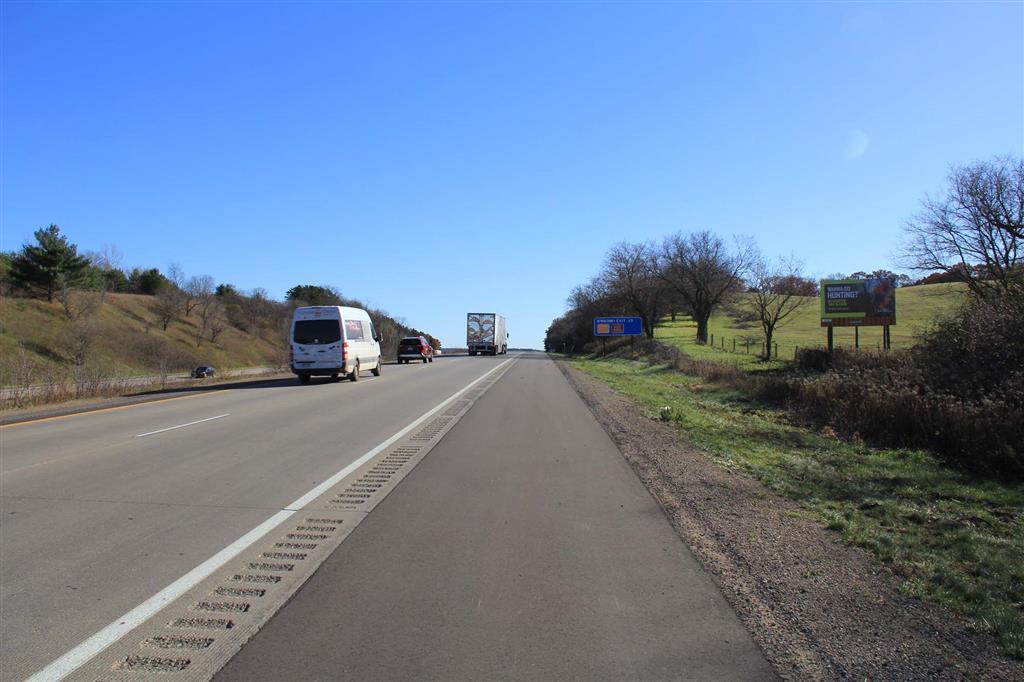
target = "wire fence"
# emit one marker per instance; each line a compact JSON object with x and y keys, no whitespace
{"x":755,"y":346}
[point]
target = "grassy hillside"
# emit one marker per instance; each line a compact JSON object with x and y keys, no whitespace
{"x":37,"y":339}
{"x":916,"y":308}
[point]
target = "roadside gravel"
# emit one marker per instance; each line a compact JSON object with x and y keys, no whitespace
{"x":818,"y":608}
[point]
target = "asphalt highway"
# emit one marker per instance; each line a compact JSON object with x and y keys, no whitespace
{"x":97,"y":517}
{"x":521,"y":547}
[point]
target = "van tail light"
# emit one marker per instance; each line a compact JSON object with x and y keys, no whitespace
{"x":344,"y":349}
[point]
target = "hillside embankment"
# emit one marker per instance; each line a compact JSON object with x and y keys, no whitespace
{"x":107,"y":352}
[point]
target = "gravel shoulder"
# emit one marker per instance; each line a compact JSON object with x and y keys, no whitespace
{"x":818,"y":608}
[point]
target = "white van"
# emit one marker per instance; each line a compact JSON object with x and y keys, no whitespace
{"x":334,"y":341}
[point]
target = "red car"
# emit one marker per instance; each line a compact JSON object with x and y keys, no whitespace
{"x":415,"y":348}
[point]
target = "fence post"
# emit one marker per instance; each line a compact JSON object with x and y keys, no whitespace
{"x":734,"y":344}
{"x":748,"y":346}
{"x":712,"y":340}
{"x":796,"y":353}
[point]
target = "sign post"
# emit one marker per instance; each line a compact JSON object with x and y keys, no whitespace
{"x":858,"y":303}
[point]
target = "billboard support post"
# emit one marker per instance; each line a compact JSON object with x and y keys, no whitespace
{"x":830,"y":338}
{"x":856,"y":337}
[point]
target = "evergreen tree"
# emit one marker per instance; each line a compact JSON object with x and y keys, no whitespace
{"x":311,"y":294}
{"x":49,"y":264}
{"x":148,"y":282}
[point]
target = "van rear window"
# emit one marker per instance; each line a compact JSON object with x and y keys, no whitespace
{"x":317,"y":331}
{"x":354,"y":330}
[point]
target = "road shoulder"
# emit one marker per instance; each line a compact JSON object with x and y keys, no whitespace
{"x":819,"y":609}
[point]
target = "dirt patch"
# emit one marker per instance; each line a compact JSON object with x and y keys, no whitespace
{"x":818,"y":608}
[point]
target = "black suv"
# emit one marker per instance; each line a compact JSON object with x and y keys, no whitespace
{"x":203,"y":372}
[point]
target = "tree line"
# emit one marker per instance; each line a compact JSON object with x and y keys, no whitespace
{"x":971,"y":234}
{"x":51,"y":268}
{"x":696,"y":274}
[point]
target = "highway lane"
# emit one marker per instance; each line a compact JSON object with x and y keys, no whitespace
{"x":522,"y":547}
{"x":97,"y":517}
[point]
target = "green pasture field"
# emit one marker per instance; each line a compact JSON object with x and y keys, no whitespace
{"x":916,"y":309}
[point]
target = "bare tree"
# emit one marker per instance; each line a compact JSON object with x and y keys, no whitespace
{"x":77,"y":304}
{"x":593,"y":298}
{"x":166,"y":305}
{"x":976,"y":231}
{"x":196,"y":291}
{"x":703,"y":273}
{"x":633,"y":282}
{"x":176,"y":275}
{"x":216,"y":320}
{"x":206,"y":303}
{"x":77,"y":341}
{"x":777,"y":291}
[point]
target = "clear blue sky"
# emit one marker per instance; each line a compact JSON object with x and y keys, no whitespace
{"x":434,"y":159}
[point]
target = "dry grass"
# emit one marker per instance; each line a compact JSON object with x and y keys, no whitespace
{"x":40,"y":346}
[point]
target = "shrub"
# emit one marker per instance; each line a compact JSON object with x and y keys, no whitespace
{"x":960,"y":392}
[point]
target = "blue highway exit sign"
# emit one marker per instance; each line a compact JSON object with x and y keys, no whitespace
{"x":618,"y":326}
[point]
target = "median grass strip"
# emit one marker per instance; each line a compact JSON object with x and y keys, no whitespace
{"x":954,"y":539}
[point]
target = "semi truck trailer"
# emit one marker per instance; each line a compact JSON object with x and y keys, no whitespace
{"x":486,"y":334}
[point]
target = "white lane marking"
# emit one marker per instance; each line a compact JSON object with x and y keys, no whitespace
{"x":86,"y":650}
{"x":181,"y":426}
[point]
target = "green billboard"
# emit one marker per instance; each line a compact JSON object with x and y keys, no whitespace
{"x":858,"y":302}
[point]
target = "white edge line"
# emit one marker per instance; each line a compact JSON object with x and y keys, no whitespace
{"x":89,"y":648}
{"x":181,"y":426}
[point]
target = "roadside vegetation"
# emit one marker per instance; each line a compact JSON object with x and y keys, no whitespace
{"x":957,"y":390}
{"x":954,"y":538}
{"x":915,"y":454}
{"x":79,"y":325}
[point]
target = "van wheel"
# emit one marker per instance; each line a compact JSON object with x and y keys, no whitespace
{"x":354,"y":376}
{"x":376,"y":370}
{"x":303,"y":378}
